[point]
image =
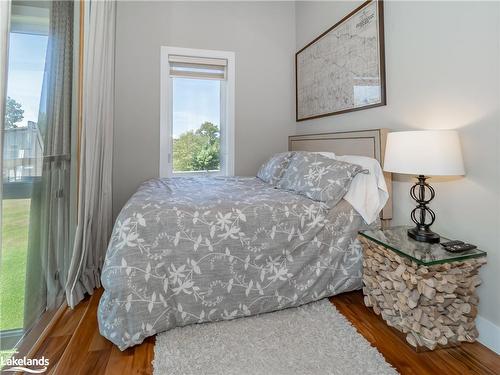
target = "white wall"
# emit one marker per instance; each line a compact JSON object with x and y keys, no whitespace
{"x":263,"y":37}
{"x":442,"y":61}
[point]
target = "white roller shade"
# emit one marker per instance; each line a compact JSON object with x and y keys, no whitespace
{"x":30,"y":19}
{"x":197,"y":67}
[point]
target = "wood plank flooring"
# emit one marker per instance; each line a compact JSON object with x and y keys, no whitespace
{"x":465,"y":359}
{"x":76,"y":347}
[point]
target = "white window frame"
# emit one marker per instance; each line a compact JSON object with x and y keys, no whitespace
{"x":166,"y":110}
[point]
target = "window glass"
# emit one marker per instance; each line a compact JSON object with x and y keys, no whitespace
{"x":36,"y":173}
{"x":196,"y":121}
{"x":22,"y":163}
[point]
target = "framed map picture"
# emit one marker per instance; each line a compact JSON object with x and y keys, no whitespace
{"x":343,"y":69}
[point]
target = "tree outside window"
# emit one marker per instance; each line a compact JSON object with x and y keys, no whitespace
{"x":198,"y":150}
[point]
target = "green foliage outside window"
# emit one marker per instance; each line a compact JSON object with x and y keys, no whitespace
{"x":14,"y":113}
{"x":198,"y":150}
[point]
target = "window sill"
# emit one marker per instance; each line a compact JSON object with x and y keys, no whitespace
{"x":198,"y":174}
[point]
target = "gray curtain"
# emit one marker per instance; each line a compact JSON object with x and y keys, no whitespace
{"x":4,"y":42}
{"x":49,"y":249}
{"x":96,"y":149}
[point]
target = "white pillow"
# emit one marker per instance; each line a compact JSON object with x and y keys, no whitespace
{"x":368,"y":192}
{"x":330,"y":155}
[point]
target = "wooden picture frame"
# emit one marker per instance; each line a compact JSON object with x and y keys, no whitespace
{"x":325,"y":80}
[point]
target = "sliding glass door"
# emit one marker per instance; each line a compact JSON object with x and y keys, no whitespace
{"x":36,"y":172}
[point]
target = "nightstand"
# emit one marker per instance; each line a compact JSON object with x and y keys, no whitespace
{"x":420,"y":289}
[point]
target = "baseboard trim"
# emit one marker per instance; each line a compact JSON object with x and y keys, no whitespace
{"x":489,"y":334}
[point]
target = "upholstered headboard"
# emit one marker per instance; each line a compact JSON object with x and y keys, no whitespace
{"x":369,"y":143}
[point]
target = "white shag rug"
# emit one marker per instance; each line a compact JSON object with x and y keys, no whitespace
{"x":311,"y":339}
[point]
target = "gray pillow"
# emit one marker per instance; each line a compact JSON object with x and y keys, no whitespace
{"x":319,"y":177}
{"x":273,"y":169}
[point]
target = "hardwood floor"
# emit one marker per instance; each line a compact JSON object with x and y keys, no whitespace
{"x":465,"y":359}
{"x":76,"y":347}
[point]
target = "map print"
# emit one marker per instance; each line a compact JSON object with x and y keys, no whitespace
{"x":341,"y":70}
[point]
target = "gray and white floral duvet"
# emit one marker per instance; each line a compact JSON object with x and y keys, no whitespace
{"x":193,"y":250}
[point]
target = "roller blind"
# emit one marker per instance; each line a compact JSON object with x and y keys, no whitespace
{"x":30,"y":19}
{"x":197,"y":67}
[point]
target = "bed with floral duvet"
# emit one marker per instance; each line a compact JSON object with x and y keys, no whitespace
{"x":193,"y":250}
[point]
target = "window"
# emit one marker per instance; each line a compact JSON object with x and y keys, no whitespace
{"x":197,"y":112}
{"x":27,"y":50}
{"x":36,"y":168}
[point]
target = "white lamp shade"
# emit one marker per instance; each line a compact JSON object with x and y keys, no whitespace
{"x":426,"y":152}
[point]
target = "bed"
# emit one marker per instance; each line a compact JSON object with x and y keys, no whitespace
{"x":194,"y":249}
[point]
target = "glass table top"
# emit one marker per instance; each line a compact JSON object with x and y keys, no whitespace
{"x":397,"y":240}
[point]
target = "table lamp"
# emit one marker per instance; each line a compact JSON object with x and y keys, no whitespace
{"x":424,"y":153}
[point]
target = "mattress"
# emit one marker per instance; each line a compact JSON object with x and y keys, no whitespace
{"x":192,"y":250}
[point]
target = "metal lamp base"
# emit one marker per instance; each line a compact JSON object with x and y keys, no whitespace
{"x":422,"y":212}
{"x":423,"y":235}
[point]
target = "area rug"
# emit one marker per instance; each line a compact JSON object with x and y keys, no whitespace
{"x":311,"y":339}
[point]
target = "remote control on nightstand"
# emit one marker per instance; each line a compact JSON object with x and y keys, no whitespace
{"x":458,"y":248}
{"x":451,"y":243}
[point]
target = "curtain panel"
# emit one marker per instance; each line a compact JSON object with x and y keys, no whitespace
{"x":4,"y":43}
{"x":94,"y":223}
{"x":48,"y":244}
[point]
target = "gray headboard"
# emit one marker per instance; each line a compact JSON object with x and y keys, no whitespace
{"x":369,"y":143}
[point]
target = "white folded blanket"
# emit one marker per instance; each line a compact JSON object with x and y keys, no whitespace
{"x":368,"y":192}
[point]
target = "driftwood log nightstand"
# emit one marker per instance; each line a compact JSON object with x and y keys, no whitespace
{"x":420,"y":289}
